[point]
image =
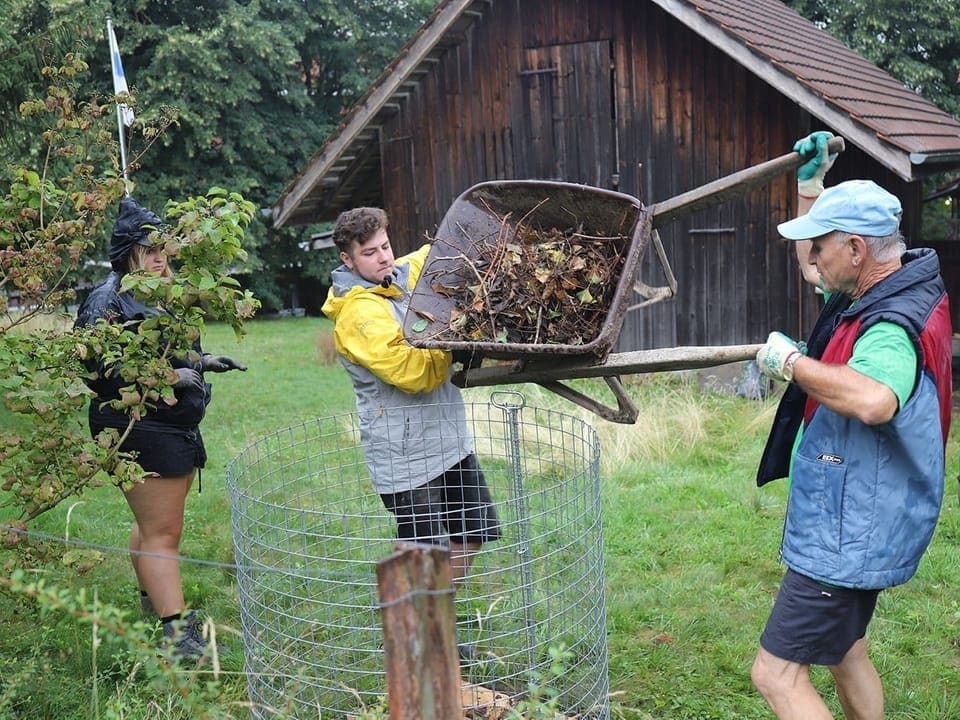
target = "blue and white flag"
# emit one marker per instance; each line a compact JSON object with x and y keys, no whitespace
{"x":119,"y":80}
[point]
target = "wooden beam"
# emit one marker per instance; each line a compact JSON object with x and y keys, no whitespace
{"x":371,"y":104}
{"x":419,"y":633}
{"x":626,"y":363}
{"x":551,"y":372}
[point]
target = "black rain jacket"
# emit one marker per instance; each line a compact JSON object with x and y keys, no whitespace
{"x":106,"y":301}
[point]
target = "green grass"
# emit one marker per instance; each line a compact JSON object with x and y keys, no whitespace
{"x":690,"y":554}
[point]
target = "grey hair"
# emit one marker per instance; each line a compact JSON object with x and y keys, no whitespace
{"x":882,"y":249}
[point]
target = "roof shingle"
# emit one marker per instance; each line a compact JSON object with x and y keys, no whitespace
{"x":837,"y":74}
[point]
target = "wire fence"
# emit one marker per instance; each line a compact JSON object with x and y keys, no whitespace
{"x":301,"y":501}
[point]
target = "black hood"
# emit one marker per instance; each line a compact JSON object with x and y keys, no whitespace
{"x":134,"y":225}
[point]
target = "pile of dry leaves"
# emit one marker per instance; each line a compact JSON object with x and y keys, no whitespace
{"x":535,"y":287}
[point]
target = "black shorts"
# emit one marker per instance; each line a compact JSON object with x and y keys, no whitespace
{"x":813,"y":624}
{"x":167,"y":454}
{"x":453,"y":506}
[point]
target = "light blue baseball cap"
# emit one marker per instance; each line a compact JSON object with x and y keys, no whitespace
{"x":860,"y":207}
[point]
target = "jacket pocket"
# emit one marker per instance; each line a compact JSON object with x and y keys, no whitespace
{"x":816,"y":504}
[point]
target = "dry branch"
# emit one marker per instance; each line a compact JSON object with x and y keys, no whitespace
{"x":532,"y":286}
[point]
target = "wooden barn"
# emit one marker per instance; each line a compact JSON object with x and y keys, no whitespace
{"x":651,"y":98}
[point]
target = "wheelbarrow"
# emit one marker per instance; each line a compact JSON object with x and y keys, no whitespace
{"x":491,"y":214}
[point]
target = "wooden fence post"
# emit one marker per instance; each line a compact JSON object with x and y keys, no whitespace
{"x":419,"y":633}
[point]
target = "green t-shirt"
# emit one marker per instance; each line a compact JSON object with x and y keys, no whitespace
{"x":884,"y":353}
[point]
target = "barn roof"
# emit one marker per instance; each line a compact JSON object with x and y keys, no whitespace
{"x":872,"y":110}
{"x":864,"y":103}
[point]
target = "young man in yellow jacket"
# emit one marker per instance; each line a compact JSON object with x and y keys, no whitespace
{"x":418,"y":448}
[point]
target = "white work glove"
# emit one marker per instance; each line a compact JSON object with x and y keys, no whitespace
{"x":813,"y":149}
{"x":775,"y":359}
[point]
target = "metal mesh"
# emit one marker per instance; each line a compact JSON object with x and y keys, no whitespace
{"x":309,"y":530}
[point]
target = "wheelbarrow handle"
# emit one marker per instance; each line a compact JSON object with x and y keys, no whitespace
{"x":552,"y":373}
{"x":734,"y":185}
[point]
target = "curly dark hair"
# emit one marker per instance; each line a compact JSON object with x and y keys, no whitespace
{"x":357,"y":226}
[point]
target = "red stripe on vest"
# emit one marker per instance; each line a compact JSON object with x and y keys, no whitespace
{"x":936,"y":343}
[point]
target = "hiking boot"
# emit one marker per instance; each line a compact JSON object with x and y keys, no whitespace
{"x":185,"y":636}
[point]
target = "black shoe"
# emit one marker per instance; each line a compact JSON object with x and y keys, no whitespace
{"x":467,"y":651}
{"x":185,"y":636}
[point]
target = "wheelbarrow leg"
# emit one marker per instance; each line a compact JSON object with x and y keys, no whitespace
{"x":626,"y":412}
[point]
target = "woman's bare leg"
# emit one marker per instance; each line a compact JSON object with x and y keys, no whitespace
{"x":157,"y":505}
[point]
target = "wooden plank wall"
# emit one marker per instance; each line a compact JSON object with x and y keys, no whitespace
{"x":684,"y":114}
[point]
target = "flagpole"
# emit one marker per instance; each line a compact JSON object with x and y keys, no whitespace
{"x":121,"y":126}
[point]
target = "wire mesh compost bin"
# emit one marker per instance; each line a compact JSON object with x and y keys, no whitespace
{"x":309,"y":531}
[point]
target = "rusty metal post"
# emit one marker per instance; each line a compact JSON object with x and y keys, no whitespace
{"x":419,"y":633}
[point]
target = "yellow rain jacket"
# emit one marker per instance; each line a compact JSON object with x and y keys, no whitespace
{"x":412,"y":418}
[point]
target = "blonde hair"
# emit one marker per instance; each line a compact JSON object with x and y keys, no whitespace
{"x":137,"y":260}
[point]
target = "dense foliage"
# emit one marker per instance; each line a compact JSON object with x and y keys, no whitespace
{"x":251,"y":89}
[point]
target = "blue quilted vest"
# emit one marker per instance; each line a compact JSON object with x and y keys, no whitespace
{"x":864,"y":500}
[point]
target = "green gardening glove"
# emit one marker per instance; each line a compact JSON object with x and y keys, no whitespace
{"x":813,"y":149}
{"x":773,"y":357}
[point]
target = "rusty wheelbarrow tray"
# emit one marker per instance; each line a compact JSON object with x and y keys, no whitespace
{"x":488,"y":217}
{"x":491,"y":212}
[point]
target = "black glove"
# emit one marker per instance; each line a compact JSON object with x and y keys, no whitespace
{"x":220,"y":363}
{"x":468,"y":358}
{"x":188,"y":378}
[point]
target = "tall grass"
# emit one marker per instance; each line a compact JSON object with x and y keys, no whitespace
{"x":690,"y":553}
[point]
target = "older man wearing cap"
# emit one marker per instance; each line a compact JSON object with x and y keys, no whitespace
{"x":860,"y":432}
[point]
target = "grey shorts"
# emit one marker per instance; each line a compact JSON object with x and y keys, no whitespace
{"x":456,"y":506}
{"x":813,"y":624}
